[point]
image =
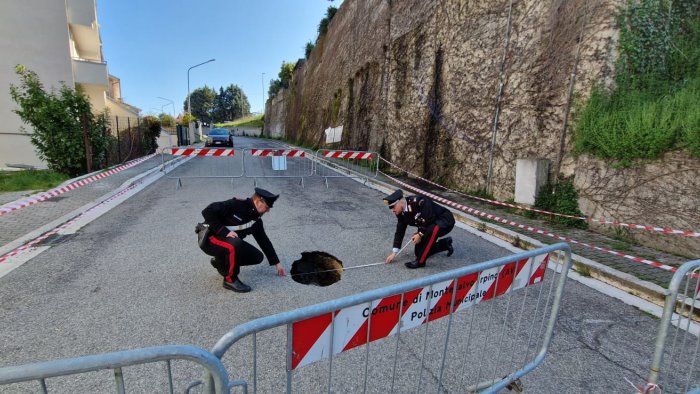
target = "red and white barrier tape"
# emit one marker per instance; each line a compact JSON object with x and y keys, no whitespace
{"x":278,"y":152}
{"x":311,"y":337}
{"x":343,"y":154}
{"x":34,"y":242}
{"x":39,"y":197}
{"x":198,"y":152}
{"x":529,"y":228}
{"x":684,"y":233}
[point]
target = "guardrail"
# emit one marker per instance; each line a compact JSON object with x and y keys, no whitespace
{"x":504,"y":341}
{"x":204,"y":163}
{"x":346,"y":164}
{"x":278,"y":163}
{"x":675,"y":367}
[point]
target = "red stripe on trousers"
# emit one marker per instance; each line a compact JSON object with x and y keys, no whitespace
{"x":430,"y":244}
{"x":231,"y":255}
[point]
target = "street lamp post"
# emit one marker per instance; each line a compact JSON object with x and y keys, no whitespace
{"x":171,"y":102}
{"x":189,"y":107}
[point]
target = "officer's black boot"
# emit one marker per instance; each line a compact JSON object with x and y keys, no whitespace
{"x":237,"y":286}
{"x":450,"y":248}
{"x":414,"y":264}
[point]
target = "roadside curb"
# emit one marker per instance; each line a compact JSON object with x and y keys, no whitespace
{"x":628,"y":283}
{"x":10,"y":246}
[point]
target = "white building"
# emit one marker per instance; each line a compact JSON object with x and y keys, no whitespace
{"x":60,"y":41}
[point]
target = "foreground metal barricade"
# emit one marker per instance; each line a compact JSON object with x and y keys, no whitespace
{"x":675,"y":367}
{"x":278,"y":163}
{"x":203,"y":163}
{"x":42,"y":371}
{"x":346,"y":164}
{"x":485,"y":350}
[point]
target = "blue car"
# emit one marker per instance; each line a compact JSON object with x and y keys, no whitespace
{"x":219,"y":137}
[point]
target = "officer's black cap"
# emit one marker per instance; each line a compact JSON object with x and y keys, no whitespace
{"x":393,"y":198}
{"x":267,"y":196}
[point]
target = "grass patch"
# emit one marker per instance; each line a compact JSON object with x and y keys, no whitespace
{"x":582,"y":269}
{"x":15,"y":181}
{"x":620,"y":246}
{"x":250,"y":121}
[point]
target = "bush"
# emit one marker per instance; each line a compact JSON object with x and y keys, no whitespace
{"x":151,"y":126}
{"x":655,"y":105}
{"x":60,"y":122}
{"x":560,"y":198}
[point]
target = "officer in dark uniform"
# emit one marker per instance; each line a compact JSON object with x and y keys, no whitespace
{"x":433,"y":221}
{"x":229,"y":249}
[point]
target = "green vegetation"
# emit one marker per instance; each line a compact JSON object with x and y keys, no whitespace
{"x":308,"y":49}
{"x":166,"y":120}
{"x":14,"y":181}
{"x":582,"y":269}
{"x":323,"y":25}
{"x":208,"y":106}
{"x":248,"y":121}
{"x":655,"y":104}
{"x":62,"y":121}
{"x":282,"y":82}
{"x":561,"y":197}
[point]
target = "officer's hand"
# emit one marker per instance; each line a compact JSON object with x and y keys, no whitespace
{"x":280,"y":269}
{"x":416,"y":238}
{"x":390,"y":258}
{"x":232,"y":234}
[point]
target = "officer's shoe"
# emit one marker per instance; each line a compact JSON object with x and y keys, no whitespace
{"x":237,"y":286}
{"x":450,"y":248}
{"x":218,"y":267}
{"x":414,"y":264}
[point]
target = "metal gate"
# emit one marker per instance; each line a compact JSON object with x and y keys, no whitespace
{"x":117,"y":361}
{"x":344,"y":345}
{"x":278,"y":163}
{"x":346,"y":164}
{"x":675,"y":367}
{"x":203,"y":163}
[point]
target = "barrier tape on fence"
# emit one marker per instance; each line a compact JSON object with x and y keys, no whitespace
{"x":311,"y":337}
{"x":529,"y":228}
{"x":684,"y":233}
{"x":39,"y":197}
{"x":278,"y":152}
{"x":337,"y":154}
{"x":199,"y":152}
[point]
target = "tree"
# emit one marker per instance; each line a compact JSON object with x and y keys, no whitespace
{"x":62,"y":122}
{"x":323,"y":25}
{"x":203,"y":101}
{"x":166,"y":120}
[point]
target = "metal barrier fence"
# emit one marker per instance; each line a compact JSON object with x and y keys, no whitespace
{"x":42,"y":371}
{"x":346,"y":164}
{"x":675,"y":367}
{"x":203,"y":163}
{"x":485,"y":350}
{"x":278,"y":163}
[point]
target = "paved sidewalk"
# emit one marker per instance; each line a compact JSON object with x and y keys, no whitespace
{"x":17,"y":224}
{"x":639,"y":270}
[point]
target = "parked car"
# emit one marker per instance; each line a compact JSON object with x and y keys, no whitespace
{"x":219,"y":137}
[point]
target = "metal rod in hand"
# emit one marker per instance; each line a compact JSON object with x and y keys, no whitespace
{"x":357,"y":266}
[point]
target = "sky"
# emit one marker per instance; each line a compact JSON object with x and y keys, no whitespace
{"x":150,"y":44}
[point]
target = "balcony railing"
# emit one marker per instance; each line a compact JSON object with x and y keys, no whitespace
{"x":91,"y":73}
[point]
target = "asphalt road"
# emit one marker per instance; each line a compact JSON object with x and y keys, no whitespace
{"x":135,"y":278}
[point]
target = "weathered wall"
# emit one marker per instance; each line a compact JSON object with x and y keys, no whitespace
{"x":424,"y":80}
{"x":663,"y":193}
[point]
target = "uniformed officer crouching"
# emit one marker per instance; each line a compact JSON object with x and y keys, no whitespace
{"x":433,"y":221}
{"x":229,"y":249}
